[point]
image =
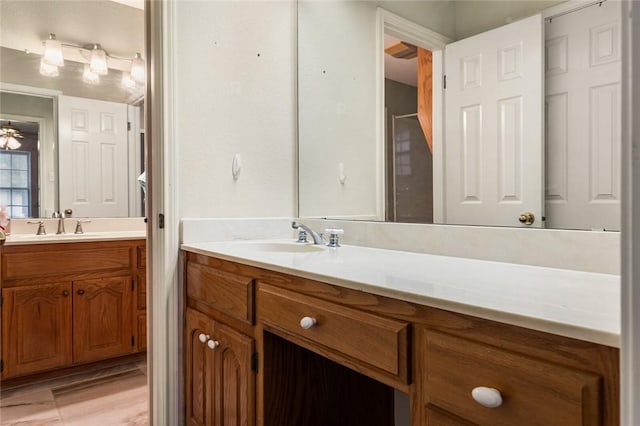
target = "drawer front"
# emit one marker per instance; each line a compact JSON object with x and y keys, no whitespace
{"x":533,"y":392}
{"x":227,"y":293}
{"x":370,"y":339}
{"x":38,"y":263}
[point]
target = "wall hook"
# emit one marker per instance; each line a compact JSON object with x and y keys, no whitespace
{"x":236,"y":166}
{"x":341,"y":176}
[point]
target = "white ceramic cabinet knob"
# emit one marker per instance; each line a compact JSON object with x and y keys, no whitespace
{"x":307,"y":322}
{"x":213,"y":344}
{"x":203,"y":338}
{"x":487,"y":397}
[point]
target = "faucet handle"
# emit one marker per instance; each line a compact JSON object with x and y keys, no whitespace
{"x":302,"y":236}
{"x":79,"y":223}
{"x":333,"y":236}
{"x":40,"y":223}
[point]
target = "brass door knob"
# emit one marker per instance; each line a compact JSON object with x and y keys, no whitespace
{"x":527,"y":218}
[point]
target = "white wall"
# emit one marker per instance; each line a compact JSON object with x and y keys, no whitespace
{"x":235,"y":74}
{"x":474,"y":17}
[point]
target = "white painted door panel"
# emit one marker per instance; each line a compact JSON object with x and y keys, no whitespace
{"x":583,"y":72}
{"x":493,"y":133}
{"x":93,"y":157}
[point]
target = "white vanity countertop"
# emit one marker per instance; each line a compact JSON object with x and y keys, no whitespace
{"x":20,"y":239}
{"x":581,"y":305}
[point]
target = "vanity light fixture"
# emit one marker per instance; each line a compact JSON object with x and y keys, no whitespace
{"x":48,"y":70}
{"x":53,"y":52}
{"x":96,"y":65}
{"x":98,"y":61}
{"x":89,"y":76}
{"x":137,"y":69}
{"x":9,"y":136}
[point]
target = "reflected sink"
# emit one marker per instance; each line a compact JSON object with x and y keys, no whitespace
{"x":285,"y":247}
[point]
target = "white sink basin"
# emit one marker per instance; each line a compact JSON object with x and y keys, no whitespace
{"x":286,"y":247}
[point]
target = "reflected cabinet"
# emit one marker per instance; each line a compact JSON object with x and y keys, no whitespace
{"x":67,"y":304}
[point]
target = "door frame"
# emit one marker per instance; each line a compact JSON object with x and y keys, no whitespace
{"x":406,"y":30}
{"x":48,"y":162}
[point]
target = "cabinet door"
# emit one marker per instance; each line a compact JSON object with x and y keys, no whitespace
{"x":198,"y":369}
{"x":36,"y":328}
{"x":234,"y":393}
{"x":102,"y":314}
{"x":219,"y":381}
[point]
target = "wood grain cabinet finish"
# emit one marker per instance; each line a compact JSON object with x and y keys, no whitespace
{"x":68,"y":304}
{"x":36,"y":328}
{"x":339,"y":331}
{"x":102,"y":323}
{"x":219,"y":380}
{"x":437,"y":357}
{"x":533,"y":391}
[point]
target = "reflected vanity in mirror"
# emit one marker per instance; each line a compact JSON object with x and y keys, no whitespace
{"x":503,"y":113}
{"x":82,"y":147}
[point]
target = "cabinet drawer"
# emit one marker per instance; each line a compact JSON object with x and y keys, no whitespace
{"x":39,"y":263}
{"x":373,"y":340}
{"x":533,"y":392}
{"x":227,"y":293}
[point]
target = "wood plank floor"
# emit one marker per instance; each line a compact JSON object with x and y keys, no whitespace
{"x":115,"y":395}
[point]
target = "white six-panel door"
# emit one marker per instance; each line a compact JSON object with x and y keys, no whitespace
{"x":583,"y":102}
{"x":493,"y":152}
{"x":93,"y":157}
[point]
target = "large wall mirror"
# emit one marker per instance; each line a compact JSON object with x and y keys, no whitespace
{"x":80,"y":128}
{"x":498,"y":113}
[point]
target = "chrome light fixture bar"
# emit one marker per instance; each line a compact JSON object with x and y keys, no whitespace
{"x":97,"y":62}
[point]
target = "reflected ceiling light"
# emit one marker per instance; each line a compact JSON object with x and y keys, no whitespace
{"x":137,"y":69}
{"x":89,"y":76}
{"x":97,"y":65}
{"x":53,"y":52}
{"x":98,"y":61}
{"x":48,"y":70}
{"x":127,"y":81}
{"x":9,"y":136}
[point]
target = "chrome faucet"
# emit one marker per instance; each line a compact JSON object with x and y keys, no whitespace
{"x":302,"y":238}
{"x":60,"y":217}
{"x":41,"y":230}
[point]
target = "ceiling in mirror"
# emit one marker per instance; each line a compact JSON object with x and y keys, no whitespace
{"x":400,"y":147}
{"x":118,"y":28}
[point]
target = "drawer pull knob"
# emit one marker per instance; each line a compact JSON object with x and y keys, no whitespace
{"x":487,"y":397}
{"x":307,"y":322}
{"x":213,"y":344}
{"x":203,"y":338}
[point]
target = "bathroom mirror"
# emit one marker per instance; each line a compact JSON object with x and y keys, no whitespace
{"x":363,"y":154}
{"x":43,"y":107}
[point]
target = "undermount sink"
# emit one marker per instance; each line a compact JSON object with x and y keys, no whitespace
{"x":286,"y":247}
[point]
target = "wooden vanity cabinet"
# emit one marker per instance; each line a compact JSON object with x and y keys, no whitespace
{"x":67,"y":304}
{"x":437,"y":357}
{"x":219,"y":347}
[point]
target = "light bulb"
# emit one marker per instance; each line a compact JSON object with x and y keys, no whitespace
{"x":53,"y":52}
{"x":89,"y":76}
{"x":48,"y":70}
{"x":98,"y":62}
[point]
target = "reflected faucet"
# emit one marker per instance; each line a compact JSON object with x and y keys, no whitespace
{"x":60,"y":217}
{"x":317,"y":238}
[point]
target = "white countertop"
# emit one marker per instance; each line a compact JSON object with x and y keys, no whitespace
{"x":20,"y":239}
{"x":581,"y":305}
